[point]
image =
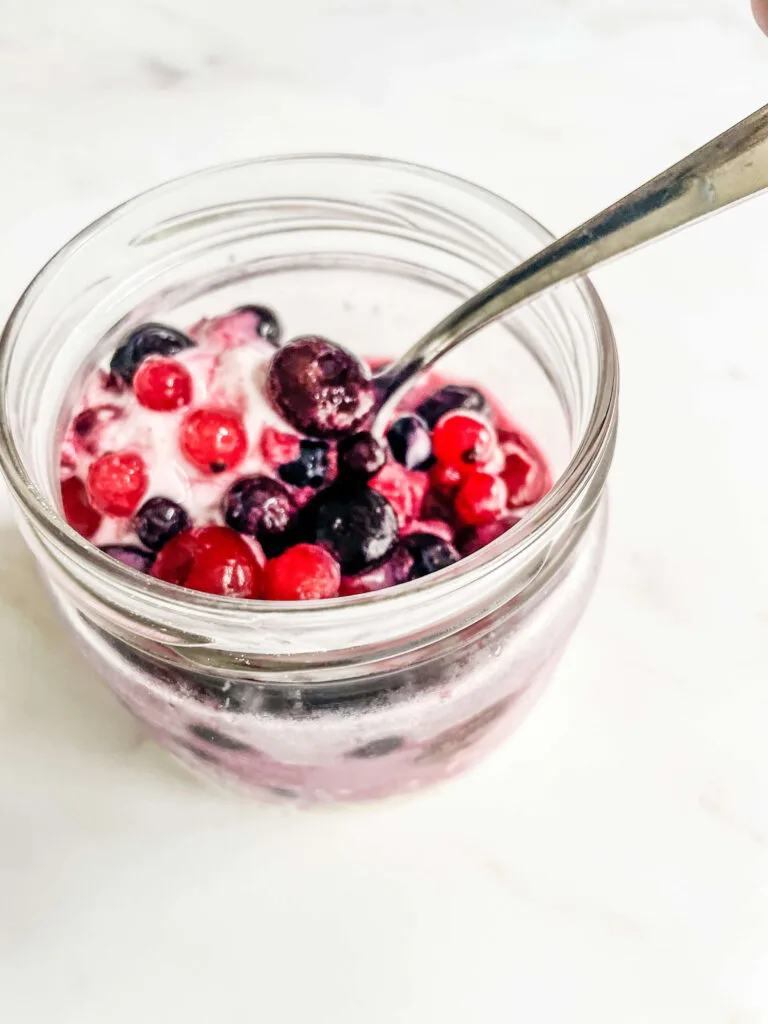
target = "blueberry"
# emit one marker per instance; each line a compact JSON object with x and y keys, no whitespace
{"x":267,"y":326}
{"x":262,"y":508}
{"x":146,"y":340}
{"x":378,"y":748}
{"x":310,"y":469}
{"x":133,"y":557}
{"x":320,"y":388}
{"x":357,"y":525}
{"x":217,"y":739}
{"x":452,"y":396}
{"x":360,"y":455}
{"x":158,"y":520}
{"x":410,"y":442}
{"x":429,"y":552}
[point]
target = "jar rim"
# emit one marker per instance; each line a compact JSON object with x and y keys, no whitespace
{"x":596,"y":437}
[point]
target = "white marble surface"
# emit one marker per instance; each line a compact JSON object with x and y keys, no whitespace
{"x":611,"y":864}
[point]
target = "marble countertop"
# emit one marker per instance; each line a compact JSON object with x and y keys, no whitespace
{"x":611,"y":863}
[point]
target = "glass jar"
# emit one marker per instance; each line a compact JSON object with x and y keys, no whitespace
{"x":361,"y":696}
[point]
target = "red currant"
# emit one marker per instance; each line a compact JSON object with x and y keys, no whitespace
{"x":162,"y":384}
{"x":482,"y":498}
{"x":78,"y":511}
{"x":117,"y":482}
{"x":213,"y":439}
{"x":444,"y":477}
{"x":393,"y":483}
{"x":212,"y":559}
{"x":304,"y":572}
{"x":464,"y":441}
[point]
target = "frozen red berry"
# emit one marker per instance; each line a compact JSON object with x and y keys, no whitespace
{"x":304,"y":572}
{"x":320,"y":388}
{"x":438,"y":527}
{"x":472,"y":538}
{"x":278,"y":447}
{"x":527,"y":478}
{"x":482,"y":498}
{"x":214,"y":440}
{"x":444,"y":477}
{"x":464,"y":441}
{"x":393,"y":483}
{"x":212,"y":559}
{"x":162,"y":384}
{"x":117,"y":482}
{"x":78,"y":511}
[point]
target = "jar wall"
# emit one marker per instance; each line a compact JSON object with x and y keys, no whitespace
{"x":398,"y":726}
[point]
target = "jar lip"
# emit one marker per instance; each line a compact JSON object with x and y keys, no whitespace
{"x":596,"y":438}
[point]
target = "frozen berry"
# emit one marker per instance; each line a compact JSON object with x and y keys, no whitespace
{"x":212,"y":559}
{"x":429,"y":553}
{"x":437,"y":505}
{"x":304,"y":572}
{"x":410,"y":442}
{"x":146,"y":340}
{"x":277,"y":447}
{"x":310,"y":469}
{"x":527,"y":480}
{"x":395,"y":569}
{"x":360,"y":455}
{"x":117,"y":482}
{"x":482,"y":498}
{"x":320,"y":388}
{"x":463,"y":441}
{"x":86,"y":424}
{"x":449,"y":399}
{"x":262,"y":508}
{"x":133,"y":557}
{"x":78,"y":511}
{"x":444,"y":477}
{"x":473,"y":538}
{"x":418,"y":481}
{"x":357,"y":525}
{"x":162,"y":384}
{"x":438,"y":527}
{"x":392,"y":483}
{"x":214,"y":440}
{"x":158,"y":520}
{"x":266,"y":325}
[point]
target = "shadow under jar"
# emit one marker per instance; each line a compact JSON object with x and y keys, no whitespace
{"x":356,"y":697}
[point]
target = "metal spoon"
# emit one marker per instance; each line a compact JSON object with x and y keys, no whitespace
{"x":729,"y":168}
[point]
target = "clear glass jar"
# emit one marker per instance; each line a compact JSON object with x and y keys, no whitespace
{"x":362,"y":696}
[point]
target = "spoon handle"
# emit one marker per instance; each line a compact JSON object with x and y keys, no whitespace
{"x":729,"y":168}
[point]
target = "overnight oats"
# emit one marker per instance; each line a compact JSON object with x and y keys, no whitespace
{"x":288,"y":601}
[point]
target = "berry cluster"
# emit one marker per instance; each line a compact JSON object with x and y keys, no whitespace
{"x":308,"y":506}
